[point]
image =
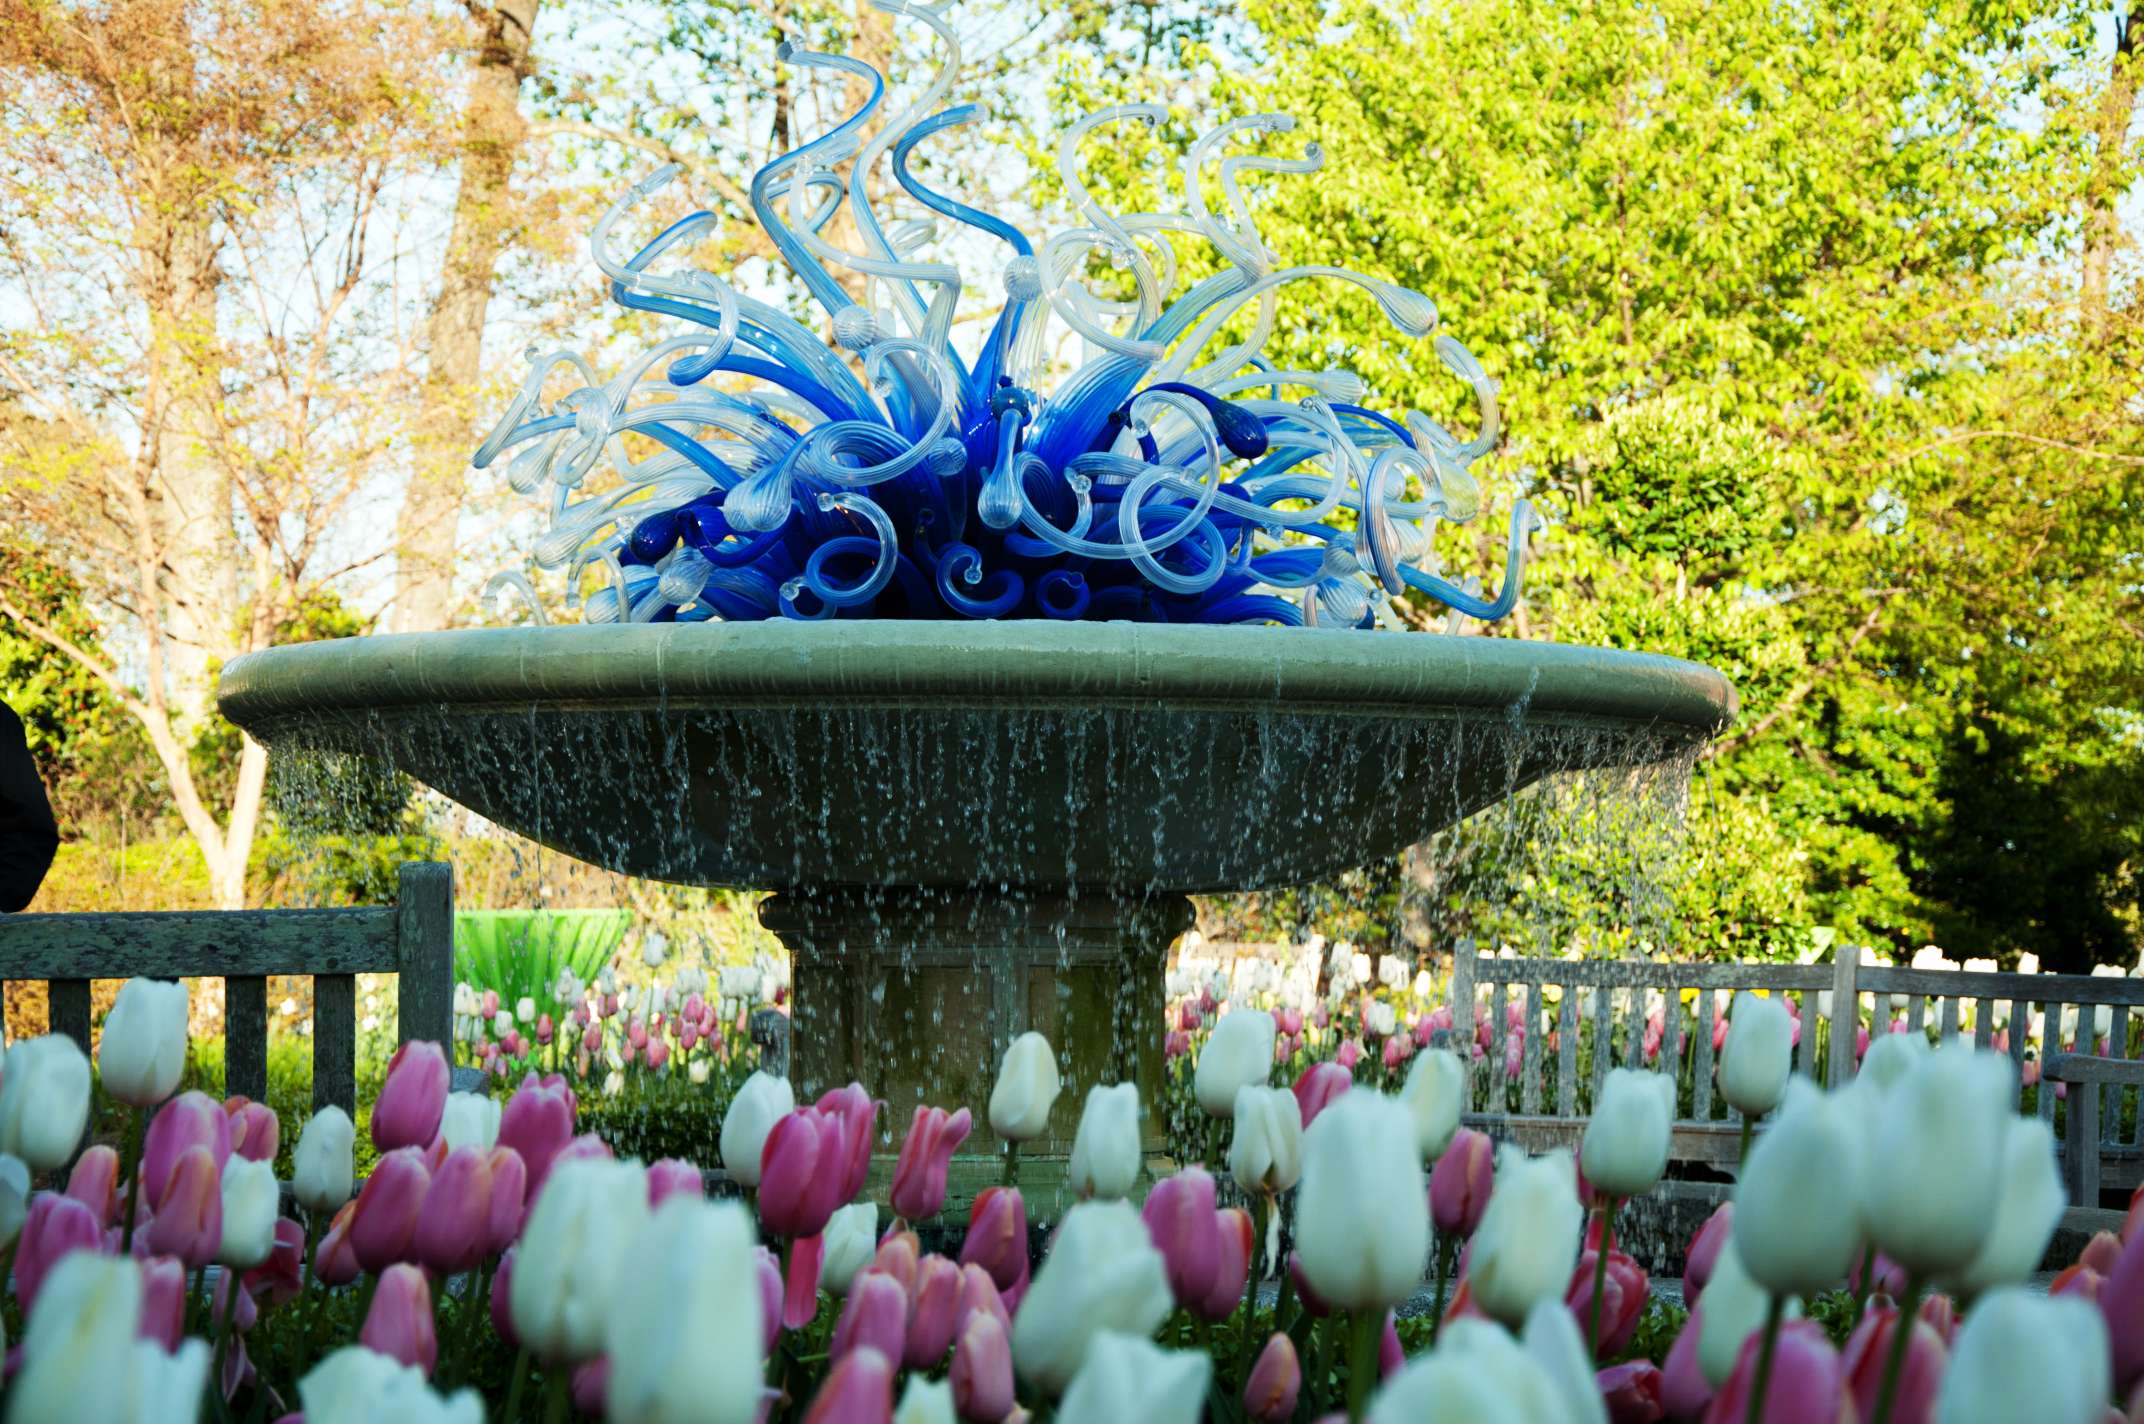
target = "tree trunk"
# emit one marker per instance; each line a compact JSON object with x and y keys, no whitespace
{"x":492,"y":135}
{"x":2103,"y":189}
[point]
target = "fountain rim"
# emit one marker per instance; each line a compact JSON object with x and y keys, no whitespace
{"x":1011,"y":663}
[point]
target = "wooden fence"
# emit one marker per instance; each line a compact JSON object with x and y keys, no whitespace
{"x":1597,"y":1011}
{"x":412,"y":938}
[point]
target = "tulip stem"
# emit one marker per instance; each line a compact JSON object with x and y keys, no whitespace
{"x":1259,"y":1206}
{"x":1866,"y":1283}
{"x":1362,"y":1367}
{"x":1600,"y":1274}
{"x":1894,"y":1364}
{"x":512,"y":1413}
{"x":1012,"y":1163}
{"x":129,"y":1169}
{"x":1447,"y":1248}
{"x":1749,"y":1131}
{"x":222,"y":1332}
{"x":554,"y":1410}
{"x":1775,"y":1310}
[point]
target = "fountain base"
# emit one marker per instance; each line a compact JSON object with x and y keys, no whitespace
{"x":916,"y":992}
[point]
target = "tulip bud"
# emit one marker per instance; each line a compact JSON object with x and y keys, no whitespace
{"x":1270,"y":1392}
{"x":1624,"y":1295}
{"x":537,"y":1122}
{"x":1436,"y":1094}
{"x":413,"y":1099}
{"x":1461,"y":1182}
{"x":250,"y":1200}
{"x":1633,"y":1393}
{"x":82,"y":1355}
{"x":1868,"y":1353}
{"x":254,"y":1129}
{"x":875,"y":1315}
{"x":1103,"y":1274}
{"x":189,"y":1120}
{"x":1239,"y":1054}
{"x":981,"y":1374}
{"x":1951,"y":1109}
{"x":2027,"y":1209}
{"x":1527,"y":1244}
{"x":802,"y":1170}
{"x":768,"y":1269}
{"x":850,"y":1238}
{"x":399,"y":1324}
{"x":1129,"y":1380}
{"x":1106,"y":1151}
{"x":1362,"y":1215}
{"x":333,"y":1260}
{"x":997,"y":1235}
{"x":163,"y":1302}
{"x":384,"y":1221}
{"x":758,"y":1105}
{"x":1735,"y":1306}
{"x":1625,"y":1148}
{"x":1797,"y":1202}
{"x":1235,"y":1235}
{"x":471,"y":1120}
{"x":934,"y":1135}
{"x":453,"y":1227}
{"x":189,"y":1220}
{"x":1179,"y":1217}
{"x":2022,"y":1356}
{"x":570,"y":1254}
{"x":1758,"y":1055}
{"x":1704,"y":1251}
{"x":686,"y":1340}
{"x":933,"y":1312}
{"x":323,"y":1167}
{"x":924,"y":1401}
{"x":94,"y":1182}
{"x":1806,"y":1384}
{"x":44,"y":1101}
{"x":359,"y":1383}
{"x":857,"y":1390}
{"x":143,"y":1052}
{"x":1318,"y":1086}
{"x":1265,"y":1153}
{"x":56,"y":1226}
{"x":14,"y":1196}
{"x":1026,"y":1089}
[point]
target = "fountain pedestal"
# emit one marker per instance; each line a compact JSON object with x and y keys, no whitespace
{"x":915,"y":993}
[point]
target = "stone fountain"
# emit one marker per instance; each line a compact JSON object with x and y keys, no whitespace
{"x":982,"y":675}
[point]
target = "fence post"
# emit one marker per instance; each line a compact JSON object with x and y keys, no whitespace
{"x":2081,"y":1142}
{"x":245,"y":1036}
{"x":1845,"y":1014}
{"x":424,"y":947}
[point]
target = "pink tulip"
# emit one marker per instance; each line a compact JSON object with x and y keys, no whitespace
{"x":979,"y":1292}
{"x":94,"y":1183}
{"x":934,"y":1312}
{"x":163,"y":1302}
{"x":997,"y":1235}
{"x":453,"y":1227}
{"x":1808,"y":1384}
{"x":1624,"y":1294}
{"x":874,"y":1315}
{"x":801,"y":1171}
{"x":334,"y":1262}
{"x":636,"y":1032}
{"x":537,"y":1123}
{"x":1176,"y":1045}
{"x":800,"y":1294}
{"x":2121,"y":1301}
{"x":1704,"y":1251}
{"x":981,"y":1375}
{"x":545,"y":1029}
{"x":1180,"y":1219}
{"x":188,"y":1120}
{"x":1461,"y":1182}
{"x":858,"y":1390}
{"x":509,"y":1199}
{"x":1633,"y":1393}
{"x":2079,"y":1280}
{"x":254,"y":1129}
{"x":658,"y":1054}
{"x":384,"y":1220}
{"x":1269,"y":1394}
{"x":1233,"y":1268}
{"x":399,"y":1324}
{"x":189,"y":1224}
{"x":2102,"y":1252}
{"x":857,"y":1113}
{"x":488,"y":1006}
{"x":412,"y":1099}
{"x":919,"y":1175}
{"x":1391,"y":1355}
{"x":672,"y":1177}
{"x":590,"y":1379}
{"x":768,"y":1269}
{"x":1187,"y":1017}
{"x":56,"y":1226}
{"x":591,"y":1040}
{"x":900,"y":1255}
{"x":502,"y":1302}
{"x":1313,"y":1304}
{"x":1348,"y":1055}
{"x":1684,"y":1390}
{"x":1288,"y":1022}
{"x":281,"y":1277}
{"x":1318,"y":1085}
{"x":1868,"y":1352}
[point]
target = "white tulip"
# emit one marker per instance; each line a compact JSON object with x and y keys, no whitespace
{"x":2022,"y":1355}
{"x":1930,"y":1194}
{"x":1239,"y":1054}
{"x":1362,"y":1212}
{"x":44,"y":1101}
{"x":250,"y":1199}
{"x":1026,"y":1089}
{"x":167,"y":1389}
{"x":1106,"y":1151}
{"x":1553,"y":1343}
{"x":1758,"y":1057}
{"x":470,"y":1120}
{"x":1734,"y":1306}
{"x":2027,"y":1211}
{"x":1798,"y":1207}
{"x":763,"y":1101}
{"x":1266,"y":1152}
{"x":323,"y":1166}
{"x":1128,"y":1380}
{"x":698,"y":1072}
{"x":1890,"y":1058}
{"x":1477,"y":1373}
{"x":925,"y":1401}
{"x":570,"y":1255}
{"x":1436,"y":1094}
{"x":1625,"y":1148}
{"x":684,"y":1328}
{"x":1381,"y":1019}
{"x":850,"y":1241}
{"x":14,"y":1197}
{"x":1527,"y":1244}
{"x":1102,"y":1274}
{"x":525,"y":1009}
{"x":354,"y":1385}
{"x":77,"y":1350}
{"x":143,"y":1051}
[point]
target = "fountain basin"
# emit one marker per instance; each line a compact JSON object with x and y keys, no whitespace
{"x":975,"y":827}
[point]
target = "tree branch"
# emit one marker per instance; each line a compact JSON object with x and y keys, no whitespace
{"x":1799,"y":693}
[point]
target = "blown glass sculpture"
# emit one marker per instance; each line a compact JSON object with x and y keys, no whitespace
{"x":1175,"y":475}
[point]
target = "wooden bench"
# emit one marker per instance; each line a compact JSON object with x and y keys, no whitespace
{"x":1846,"y":993}
{"x":412,"y":938}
